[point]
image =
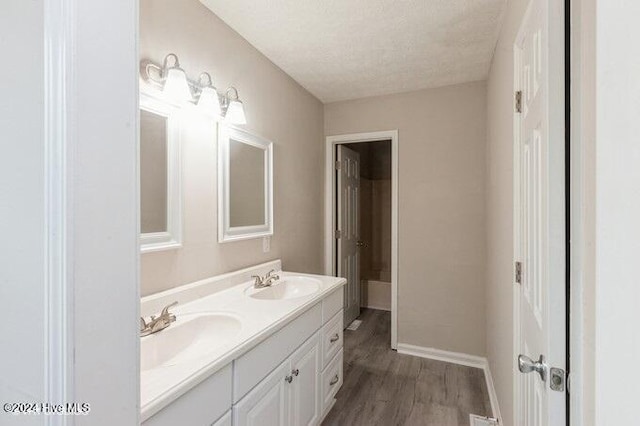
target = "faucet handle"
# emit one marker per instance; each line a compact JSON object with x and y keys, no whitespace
{"x":143,"y":324}
{"x":257,"y":278}
{"x":270,"y":273}
{"x":165,"y":310}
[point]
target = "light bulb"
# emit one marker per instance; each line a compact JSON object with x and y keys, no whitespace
{"x":176,"y":87}
{"x":209,"y":101}
{"x":235,"y":112}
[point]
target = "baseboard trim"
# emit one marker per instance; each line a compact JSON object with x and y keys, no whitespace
{"x":493,"y":396}
{"x":377,"y":308}
{"x":440,"y":355}
{"x":460,"y":359}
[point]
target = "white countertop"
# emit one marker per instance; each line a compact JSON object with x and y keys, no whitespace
{"x":260,"y":319}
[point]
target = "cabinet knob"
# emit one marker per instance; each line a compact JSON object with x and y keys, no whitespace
{"x":288,"y":379}
{"x":334,"y":380}
{"x":334,"y":338}
{"x":295,"y":372}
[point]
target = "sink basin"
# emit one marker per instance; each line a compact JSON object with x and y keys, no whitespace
{"x":192,"y":336}
{"x":286,"y":288}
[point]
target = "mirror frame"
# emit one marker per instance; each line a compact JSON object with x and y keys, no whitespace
{"x":227,"y":233}
{"x":172,"y":237}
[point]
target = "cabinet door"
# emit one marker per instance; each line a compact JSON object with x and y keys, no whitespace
{"x":224,"y":420}
{"x":268,"y":403}
{"x":305,"y":388}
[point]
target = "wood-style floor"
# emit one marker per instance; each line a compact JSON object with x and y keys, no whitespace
{"x":382,"y":387}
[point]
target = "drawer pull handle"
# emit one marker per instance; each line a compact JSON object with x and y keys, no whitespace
{"x":295,"y":372}
{"x":335,"y":338}
{"x":334,"y":380}
{"x":288,"y":379}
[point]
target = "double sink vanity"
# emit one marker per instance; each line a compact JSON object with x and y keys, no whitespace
{"x":252,"y":347}
{"x":256,"y":346}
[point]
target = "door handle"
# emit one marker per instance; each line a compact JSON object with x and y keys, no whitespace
{"x":335,"y":338}
{"x":527,"y":365}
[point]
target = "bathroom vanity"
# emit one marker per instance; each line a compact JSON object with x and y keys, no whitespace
{"x":239,"y":355}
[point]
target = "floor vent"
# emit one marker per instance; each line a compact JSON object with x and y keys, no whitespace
{"x":354,"y":325}
{"x":482,"y":421}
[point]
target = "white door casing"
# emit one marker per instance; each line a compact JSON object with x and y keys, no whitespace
{"x":539,"y":214}
{"x":348,"y":178}
{"x":331,"y":219}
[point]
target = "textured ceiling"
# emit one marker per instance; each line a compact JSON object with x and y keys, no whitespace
{"x":347,"y":49}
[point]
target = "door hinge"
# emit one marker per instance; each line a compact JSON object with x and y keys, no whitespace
{"x":338,"y":165}
{"x":519,"y":101}
{"x":519,"y":272}
{"x":557,"y":379}
{"x":337,"y":234}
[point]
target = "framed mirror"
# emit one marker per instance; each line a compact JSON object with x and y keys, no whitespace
{"x":160,"y":186}
{"x":245,"y":185}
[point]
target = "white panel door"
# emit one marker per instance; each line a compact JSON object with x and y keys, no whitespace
{"x":349,"y":227}
{"x":540,"y":222}
{"x":268,"y":403}
{"x":305,"y":388}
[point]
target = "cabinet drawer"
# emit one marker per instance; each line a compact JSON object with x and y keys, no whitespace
{"x":332,"y":335}
{"x":332,"y":304}
{"x":202,"y":405}
{"x":331,"y":380}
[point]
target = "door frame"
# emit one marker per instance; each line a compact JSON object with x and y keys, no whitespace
{"x":330,"y":210}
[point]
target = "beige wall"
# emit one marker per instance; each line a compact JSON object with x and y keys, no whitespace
{"x":380,"y":243}
{"x":277,"y":108}
{"x":499,"y":202}
{"x":441,"y":300}
{"x":365,"y":201}
{"x":375,"y":231}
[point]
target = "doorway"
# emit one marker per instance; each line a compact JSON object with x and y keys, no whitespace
{"x":361,"y":216}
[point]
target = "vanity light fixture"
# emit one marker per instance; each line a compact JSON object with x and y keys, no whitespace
{"x":234,"y":107}
{"x":172,"y":81}
{"x":209,"y":101}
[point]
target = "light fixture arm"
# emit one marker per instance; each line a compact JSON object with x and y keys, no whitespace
{"x":232,"y":94}
{"x":208,"y":82}
{"x":165,"y":64}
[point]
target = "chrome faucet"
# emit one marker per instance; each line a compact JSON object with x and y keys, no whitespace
{"x":265,"y":281}
{"x":157,"y":324}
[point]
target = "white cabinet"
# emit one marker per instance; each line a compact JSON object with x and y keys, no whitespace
{"x":305,"y":387}
{"x":288,"y":379}
{"x":201,"y":405}
{"x":331,"y":382}
{"x":332,"y":337}
{"x":224,"y":420}
{"x":290,"y":395}
{"x":268,"y":403}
